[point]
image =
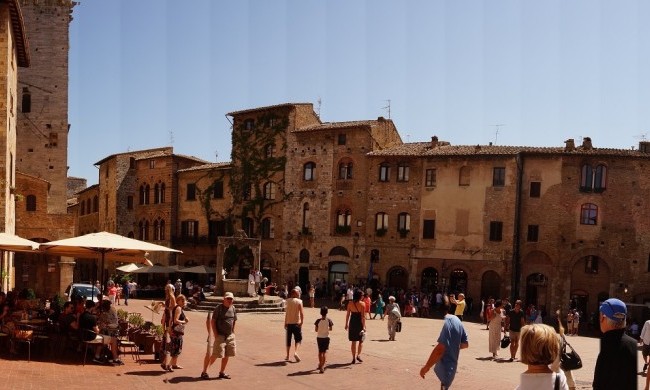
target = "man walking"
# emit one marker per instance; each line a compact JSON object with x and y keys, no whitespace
{"x":293,"y":319}
{"x":514,"y":322}
{"x":445,"y":354}
{"x":224,"y":318}
{"x":617,"y":350}
{"x":644,"y":340}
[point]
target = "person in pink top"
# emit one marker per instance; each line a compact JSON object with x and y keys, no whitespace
{"x":112,"y":292}
{"x":366,"y":301}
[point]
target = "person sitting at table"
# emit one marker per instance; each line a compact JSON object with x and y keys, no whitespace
{"x":66,"y":318}
{"x":4,"y":308}
{"x":107,"y":322}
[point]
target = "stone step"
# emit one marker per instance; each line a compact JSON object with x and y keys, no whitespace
{"x":271,"y":304}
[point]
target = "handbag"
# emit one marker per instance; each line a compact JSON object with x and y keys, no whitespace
{"x":569,"y":360}
{"x":179,"y":329}
{"x":505,"y":341}
{"x":398,"y":326}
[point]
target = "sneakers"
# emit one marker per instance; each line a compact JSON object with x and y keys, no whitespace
{"x":204,"y":375}
{"x":223,"y":375}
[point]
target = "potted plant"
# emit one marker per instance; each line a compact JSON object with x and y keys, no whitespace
{"x":158,"y":333}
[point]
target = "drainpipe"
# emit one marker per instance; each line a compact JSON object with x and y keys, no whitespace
{"x":516,"y":244}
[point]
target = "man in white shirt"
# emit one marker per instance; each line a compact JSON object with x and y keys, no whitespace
{"x":645,"y":344}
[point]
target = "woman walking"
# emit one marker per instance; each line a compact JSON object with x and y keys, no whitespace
{"x":176,"y":335}
{"x":540,"y":347}
{"x":167,"y":323}
{"x":394,"y":315}
{"x":379,"y":307}
{"x":355,"y":324}
{"x":495,"y":318}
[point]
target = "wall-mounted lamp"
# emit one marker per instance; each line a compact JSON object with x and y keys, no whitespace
{"x":623,"y":287}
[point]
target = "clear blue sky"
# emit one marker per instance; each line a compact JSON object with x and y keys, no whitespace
{"x":151,"y":73}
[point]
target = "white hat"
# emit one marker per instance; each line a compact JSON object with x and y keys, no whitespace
{"x":228,"y":295}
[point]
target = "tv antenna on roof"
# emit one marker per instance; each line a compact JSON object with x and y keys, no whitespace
{"x":171,"y":137}
{"x":642,"y":136}
{"x":496,"y":131}
{"x":387,"y":107}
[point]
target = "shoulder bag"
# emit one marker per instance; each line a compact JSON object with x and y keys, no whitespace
{"x":569,"y":360}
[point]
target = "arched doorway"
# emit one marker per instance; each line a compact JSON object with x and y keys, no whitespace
{"x":429,"y":280}
{"x":490,"y":285}
{"x":458,"y":281}
{"x":397,"y":277}
{"x":536,"y":289}
{"x":338,"y":272}
{"x":267,"y":266}
{"x":590,"y":275}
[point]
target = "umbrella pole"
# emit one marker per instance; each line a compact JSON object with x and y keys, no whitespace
{"x":102,"y":282}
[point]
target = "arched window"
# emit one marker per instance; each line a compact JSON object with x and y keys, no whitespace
{"x":345,"y":171}
{"x":31,"y":203}
{"x":27,"y":101}
{"x":96,"y":204}
{"x":309,"y":171}
{"x":155,"y":194}
{"x":161,"y":230}
{"x":403,"y":222}
{"x":463,"y":176}
{"x":305,"y":217}
{"x":593,"y":180}
{"x":144,"y":194}
{"x":402,"y":172}
{"x":600,"y":178}
{"x":159,"y":193}
{"x":384,"y":172}
{"x":304,"y":256}
{"x":155,"y":230}
{"x":248,"y":225}
{"x":344,"y":218}
{"x":381,"y":221}
{"x":267,"y":228}
{"x":589,"y":214}
{"x":144,"y":230}
{"x":269,"y":191}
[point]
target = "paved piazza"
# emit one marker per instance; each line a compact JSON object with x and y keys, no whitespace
{"x":259,"y":363}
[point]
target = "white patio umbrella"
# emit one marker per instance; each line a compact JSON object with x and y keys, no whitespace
{"x":154,"y":269}
{"x":128,"y":268}
{"x":104,"y":246}
{"x":199,"y":269}
{"x":11,"y":242}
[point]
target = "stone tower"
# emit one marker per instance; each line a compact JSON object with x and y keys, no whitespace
{"x":42,"y":128}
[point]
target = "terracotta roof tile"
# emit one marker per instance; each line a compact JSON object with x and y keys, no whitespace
{"x":246,"y":111}
{"x":219,"y":165}
{"x":337,"y":125}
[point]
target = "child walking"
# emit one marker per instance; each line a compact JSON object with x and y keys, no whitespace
{"x":323,"y":327}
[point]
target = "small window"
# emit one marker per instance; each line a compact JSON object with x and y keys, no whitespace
{"x":344,"y":218}
{"x":342,"y":139}
{"x":31,"y":203}
{"x":499,"y":177}
{"x":152,"y":164}
{"x":533,"y":233}
{"x":589,"y":214}
{"x":82,"y":207}
{"x":269,"y":191}
{"x":381,"y":221}
{"x":591,"y":265}
{"x":305,"y":217}
{"x":384,"y":172}
{"x":248,"y":226}
{"x":217,"y":190}
{"x":247,"y":191}
{"x":27,"y":101}
{"x":496,"y":230}
{"x":593,"y":180}
{"x":129,"y":202}
{"x":463,"y":176}
{"x":191,"y":191}
{"x":309,"y":171}
{"x":402,"y":172}
{"x":96,"y":204}
{"x":269,"y":150}
{"x":190,"y":229}
{"x":429,"y":229}
{"x":144,"y":230}
{"x":132,"y":163}
{"x":249,"y":124}
{"x":535,"y":189}
{"x":144,"y":194}
{"x":374,"y":256}
{"x":266,"y":228}
{"x":430,"y":178}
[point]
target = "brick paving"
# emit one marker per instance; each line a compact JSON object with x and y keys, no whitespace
{"x":260,"y":360}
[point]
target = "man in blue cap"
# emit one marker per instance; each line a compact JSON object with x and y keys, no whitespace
{"x":617,"y":361}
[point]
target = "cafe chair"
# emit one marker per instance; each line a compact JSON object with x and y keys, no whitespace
{"x":23,"y":334}
{"x":123,"y":343}
{"x":90,"y":339}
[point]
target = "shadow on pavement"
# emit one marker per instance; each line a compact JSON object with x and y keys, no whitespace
{"x":301,"y":373}
{"x":280,"y":363}
{"x":485,"y":358}
{"x":146,"y":373}
{"x":186,"y":379}
{"x":339,"y":365}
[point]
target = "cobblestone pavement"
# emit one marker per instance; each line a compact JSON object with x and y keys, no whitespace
{"x":260,"y":360}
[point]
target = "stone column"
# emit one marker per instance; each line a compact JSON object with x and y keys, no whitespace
{"x":66,"y":273}
{"x":218,"y":277}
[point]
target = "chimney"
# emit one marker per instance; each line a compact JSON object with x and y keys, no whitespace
{"x":381,"y":119}
{"x":586,"y":143}
{"x":644,"y":146}
{"x":434,"y":141}
{"x":569,"y":145}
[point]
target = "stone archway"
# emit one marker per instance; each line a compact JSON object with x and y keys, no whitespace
{"x":397,"y":277}
{"x":536,"y":269}
{"x":490,"y":285}
{"x":458,"y":281}
{"x":591,"y":275}
{"x":239,"y":240}
{"x":429,"y":280}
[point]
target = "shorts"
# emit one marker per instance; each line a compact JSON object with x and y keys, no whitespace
{"x":514,"y":336}
{"x":645,"y":350}
{"x":323,"y":344}
{"x":295,"y":331}
{"x":224,"y":346}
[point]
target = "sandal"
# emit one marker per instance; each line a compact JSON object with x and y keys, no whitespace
{"x":223,"y":375}
{"x":177,"y":367}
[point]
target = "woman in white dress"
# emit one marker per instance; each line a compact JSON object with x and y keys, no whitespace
{"x":495,"y":319}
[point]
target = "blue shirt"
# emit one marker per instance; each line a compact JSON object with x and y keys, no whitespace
{"x":451,"y":336}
